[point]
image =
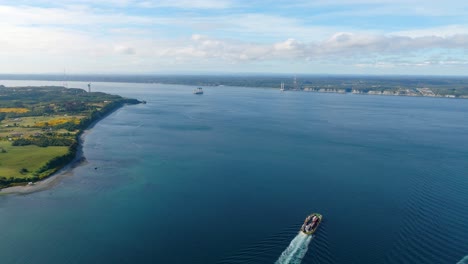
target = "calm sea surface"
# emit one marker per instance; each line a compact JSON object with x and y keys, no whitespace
{"x":229,"y":176}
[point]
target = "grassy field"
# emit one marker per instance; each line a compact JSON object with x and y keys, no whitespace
{"x":31,"y":125}
{"x":38,"y":127}
{"x":5,"y":133}
{"x":40,"y":120}
{"x":28,"y":157}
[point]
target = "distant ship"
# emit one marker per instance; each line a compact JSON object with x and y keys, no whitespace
{"x":199,"y":90}
{"x":311,"y":223}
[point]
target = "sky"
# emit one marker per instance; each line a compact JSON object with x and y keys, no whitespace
{"x":421,"y":37}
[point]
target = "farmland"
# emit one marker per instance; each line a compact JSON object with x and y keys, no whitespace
{"x":40,"y":126}
{"x":31,"y":158}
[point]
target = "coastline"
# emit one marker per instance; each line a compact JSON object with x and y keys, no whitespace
{"x":55,"y":178}
{"x":64,"y":172}
{"x":383,"y":93}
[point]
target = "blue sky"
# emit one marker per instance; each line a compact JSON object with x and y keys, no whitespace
{"x":233,"y":36}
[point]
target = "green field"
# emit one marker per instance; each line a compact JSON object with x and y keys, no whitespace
{"x":31,"y":121}
{"x":39,"y":128}
{"x":27,"y":125}
{"x":29,"y":157}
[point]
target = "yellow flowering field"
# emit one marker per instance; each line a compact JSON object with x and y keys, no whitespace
{"x":13,"y":110}
{"x":58,"y":121}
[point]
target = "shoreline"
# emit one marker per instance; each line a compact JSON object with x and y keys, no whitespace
{"x":55,"y":178}
{"x":318,"y":90}
{"x":66,"y":171}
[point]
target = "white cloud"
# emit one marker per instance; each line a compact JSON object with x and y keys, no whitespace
{"x":91,"y":38}
{"x":59,"y":47}
{"x":122,"y":49}
{"x":339,"y":44}
{"x":442,"y":31}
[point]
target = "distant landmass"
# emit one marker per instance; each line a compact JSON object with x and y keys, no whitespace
{"x":436,"y":86}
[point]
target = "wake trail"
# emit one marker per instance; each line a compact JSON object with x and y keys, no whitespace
{"x":296,"y":250}
{"x":464,"y":260}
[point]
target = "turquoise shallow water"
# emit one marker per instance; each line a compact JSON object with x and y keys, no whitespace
{"x":229,"y":176}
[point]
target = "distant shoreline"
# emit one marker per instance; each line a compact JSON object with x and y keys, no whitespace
{"x":406,"y":85}
{"x":383,"y":93}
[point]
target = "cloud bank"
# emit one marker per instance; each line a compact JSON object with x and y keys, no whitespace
{"x":207,"y":34}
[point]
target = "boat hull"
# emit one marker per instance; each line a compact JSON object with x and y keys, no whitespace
{"x":199,"y":90}
{"x":310,"y":232}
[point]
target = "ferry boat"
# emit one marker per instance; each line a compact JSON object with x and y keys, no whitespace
{"x":199,"y":90}
{"x":311,"y":223}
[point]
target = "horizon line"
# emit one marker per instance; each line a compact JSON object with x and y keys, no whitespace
{"x":231,"y":74}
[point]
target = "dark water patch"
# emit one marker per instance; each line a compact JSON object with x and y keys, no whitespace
{"x":436,"y":212}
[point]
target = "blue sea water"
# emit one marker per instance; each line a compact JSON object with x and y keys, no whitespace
{"x":229,"y":176}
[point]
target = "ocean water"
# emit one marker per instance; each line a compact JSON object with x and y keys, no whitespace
{"x":229,"y":176}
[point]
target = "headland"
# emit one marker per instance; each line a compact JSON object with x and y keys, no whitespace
{"x":41,"y":132}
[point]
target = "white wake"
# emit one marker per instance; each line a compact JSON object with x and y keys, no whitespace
{"x":463,"y":261}
{"x":296,"y":250}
